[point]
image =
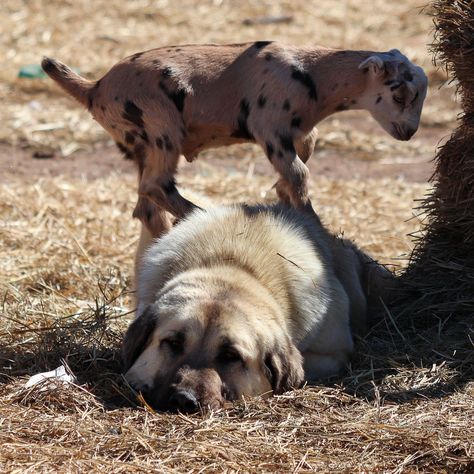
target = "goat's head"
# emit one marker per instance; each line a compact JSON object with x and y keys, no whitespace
{"x":396,"y":90}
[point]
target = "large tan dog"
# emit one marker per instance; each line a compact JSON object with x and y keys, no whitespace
{"x":244,"y":300}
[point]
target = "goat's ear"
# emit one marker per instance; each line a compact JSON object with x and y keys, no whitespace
{"x":284,"y":367}
{"x":136,"y":337}
{"x":374,"y":64}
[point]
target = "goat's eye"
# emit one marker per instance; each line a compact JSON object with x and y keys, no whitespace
{"x":229,"y":355}
{"x":398,"y":100}
{"x":174,"y":344}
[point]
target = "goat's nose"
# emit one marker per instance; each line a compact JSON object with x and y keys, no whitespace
{"x":184,"y":400}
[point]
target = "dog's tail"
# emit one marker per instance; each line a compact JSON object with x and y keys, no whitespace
{"x":75,"y":85}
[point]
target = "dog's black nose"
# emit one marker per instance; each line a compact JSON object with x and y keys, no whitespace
{"x":184,"y":400}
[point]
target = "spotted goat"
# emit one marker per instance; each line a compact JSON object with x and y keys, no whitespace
{"x":169,"y":101}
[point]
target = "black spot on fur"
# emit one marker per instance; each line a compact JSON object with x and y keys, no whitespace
{"x":129,"y":138}
{"x":144,"y":136}
{"x":155,"y":62}
{"x":134,"y":57}
{"x":261,"y":44}
{"x":148,"y":213}
{"x":213,"y":137}
{"x":379,"y":98}
{"x":102,"y":108}
{"x":341,"y":107}
{"x":127,"y":154}
{"x":166,"y":72}
{"x":122,"y":148}
{"x":268,"y":56}
{"x":178,"y":50}
{"x":167,"y":142}
{"x":159,"y":143}
{"x":353,"y":102}
{"x":176,"y":97}
{"x":286,"y":142}
{"x":296,"y":122}
{"x":169,"y":187}
{"x":133,"y":114}
{"x":242,"y":126}
{"x":261,"y":101}
{"x":307,"y":81}
{"x":286,"y":105}
{"x":270,"y":150}
{"x":140,"y":156}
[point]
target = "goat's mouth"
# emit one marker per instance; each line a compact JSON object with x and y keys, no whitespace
{"x":402,"y":133}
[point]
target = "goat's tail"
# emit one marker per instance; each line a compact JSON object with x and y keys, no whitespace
{"x":70,"y":81}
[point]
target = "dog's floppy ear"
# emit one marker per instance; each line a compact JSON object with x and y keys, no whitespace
{"x":136,"y":337}
{"x":284,"y":367}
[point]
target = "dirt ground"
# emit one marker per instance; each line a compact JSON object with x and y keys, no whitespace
{"x":24,"y":164}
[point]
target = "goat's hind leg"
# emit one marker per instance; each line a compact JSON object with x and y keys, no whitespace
{"x":158,"y":185}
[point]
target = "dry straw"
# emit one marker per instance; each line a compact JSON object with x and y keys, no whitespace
{"x":441,"y":272}
{"x":407,"y":402}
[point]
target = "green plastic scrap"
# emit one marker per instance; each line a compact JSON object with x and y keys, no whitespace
{"x":31,"y":71}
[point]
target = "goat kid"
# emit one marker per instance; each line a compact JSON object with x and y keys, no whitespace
{"x":169,"y":101}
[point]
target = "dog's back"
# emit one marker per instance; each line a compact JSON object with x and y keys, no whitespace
{"x":286,"y":251}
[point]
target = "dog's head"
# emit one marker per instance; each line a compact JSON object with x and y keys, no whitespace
{"x":396,"y":94}
{"x":204,"y":341}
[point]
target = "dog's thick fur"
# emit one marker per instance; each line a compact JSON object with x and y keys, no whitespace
{"x":244,"y":301}
{"x":169,"y":101}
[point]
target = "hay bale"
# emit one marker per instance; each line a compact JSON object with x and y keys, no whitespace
{"x":439,"y":280}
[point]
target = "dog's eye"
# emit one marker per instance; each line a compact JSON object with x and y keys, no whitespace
{"x":174,"y":344}
{"x":398,"y":100}
{"x":229,"y":355}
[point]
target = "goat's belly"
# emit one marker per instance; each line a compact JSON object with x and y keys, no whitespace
{"x":203,"y":136}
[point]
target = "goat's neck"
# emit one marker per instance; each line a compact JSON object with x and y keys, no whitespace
{"x":339,"y":81}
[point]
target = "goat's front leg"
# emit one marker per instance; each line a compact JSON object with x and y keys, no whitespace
{"x":288,"y":156}
{"x":292,"y":187}
{"x":305,"y":144}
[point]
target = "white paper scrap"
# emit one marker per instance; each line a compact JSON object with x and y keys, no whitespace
{"x":57,"y":375}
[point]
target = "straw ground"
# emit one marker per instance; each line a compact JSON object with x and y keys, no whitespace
{"x":67,"y":243}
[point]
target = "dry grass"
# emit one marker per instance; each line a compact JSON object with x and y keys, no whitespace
{"x":67,"y":254}
{"x":66,"y":246}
